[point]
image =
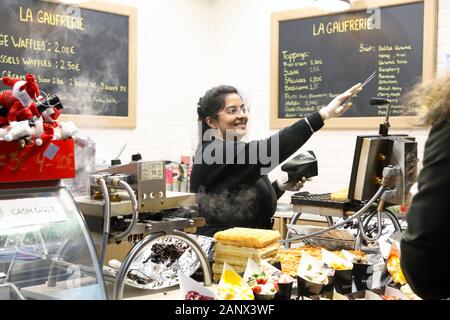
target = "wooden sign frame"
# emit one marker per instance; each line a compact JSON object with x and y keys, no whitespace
{"x":429,"y":62}
{"x":93,"y":121}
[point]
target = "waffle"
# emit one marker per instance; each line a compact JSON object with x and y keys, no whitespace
{"x":240,"y":261}
{"x":216,"y":277}
{"x":247,"y":237}
{"x":290,"y":258}
{"x":289,"y":265}
{"x":218,"y":268}
{"x":340,"y":195}
{"x":226,"y":250}
{"x":314,"y":251}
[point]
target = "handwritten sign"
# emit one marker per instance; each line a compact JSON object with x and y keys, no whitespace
{"x":30,"y":211}
{"x":318,"y":56}
{"x":52,"y":161}
{"x":82,"y":54}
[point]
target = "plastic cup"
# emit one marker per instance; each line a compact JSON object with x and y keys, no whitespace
{"x":307,"y":288}
{"x":361,"y":274}
{"x":264,"y":296}
{"x":328,"y":289}
{"x":284,"y":291}
{"x":343,"y":281}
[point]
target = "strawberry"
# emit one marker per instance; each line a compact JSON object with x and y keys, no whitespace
{"x":256,"y":289}
{"x":261,"y":281}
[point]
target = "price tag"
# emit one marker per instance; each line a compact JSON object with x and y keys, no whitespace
{"x":30,"y":211}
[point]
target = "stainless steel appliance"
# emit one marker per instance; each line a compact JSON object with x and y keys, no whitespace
{"x":383,"y":171}
{"x":129,"y":202}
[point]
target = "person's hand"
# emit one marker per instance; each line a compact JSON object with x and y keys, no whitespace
{"x":292,"y":186}
{"x":336,"y":108}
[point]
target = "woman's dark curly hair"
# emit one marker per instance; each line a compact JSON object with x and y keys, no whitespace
{"x":210,"y":105}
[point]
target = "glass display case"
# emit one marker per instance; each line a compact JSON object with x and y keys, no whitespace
{"x":46,"y":251}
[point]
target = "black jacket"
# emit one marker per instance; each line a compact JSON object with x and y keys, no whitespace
{"x":425,"y":252}
{"x":234,"y":191}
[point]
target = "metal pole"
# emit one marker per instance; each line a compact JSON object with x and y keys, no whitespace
{"x":207,"y":273}
{"x":293,"y":221}
{"x":125,"y":266}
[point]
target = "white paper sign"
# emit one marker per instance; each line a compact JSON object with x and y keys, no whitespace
{"x":30,"y":211}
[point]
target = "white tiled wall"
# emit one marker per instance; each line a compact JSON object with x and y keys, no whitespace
{"x":188,"y":46}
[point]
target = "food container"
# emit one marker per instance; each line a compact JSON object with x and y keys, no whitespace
{"x":343,"y":281}
{"x":328,"y":289}
{"x":307,"y":288}
{"x":361,"y":273}
{"x":330,"y":240}
{"x":284,"y":291}
{"x":193,"y":290}
{"x":264,"y":296}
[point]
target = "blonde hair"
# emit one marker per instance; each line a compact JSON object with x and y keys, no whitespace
{"x":431,"y":99}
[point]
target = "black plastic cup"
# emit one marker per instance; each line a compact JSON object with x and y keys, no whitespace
{"x":343,"y":281}
{"x":328,"y":289}
{"x":284,"y":291}
{"x":361,"y":274}
{"x":307,"y":288}
{"x":264,"y":296}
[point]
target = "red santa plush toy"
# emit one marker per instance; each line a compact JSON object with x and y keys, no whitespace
{"x":19,"y":100}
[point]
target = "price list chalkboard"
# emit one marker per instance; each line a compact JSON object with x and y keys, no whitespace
{"x":317,"y":57}
{"x":85,"y":55}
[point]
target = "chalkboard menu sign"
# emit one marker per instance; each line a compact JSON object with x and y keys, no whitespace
{"x":315,"y":57}
{"x":84,"y":54}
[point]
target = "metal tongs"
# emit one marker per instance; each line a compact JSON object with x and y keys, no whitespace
{"x":369,"y":79}
{"x":341,"y":107}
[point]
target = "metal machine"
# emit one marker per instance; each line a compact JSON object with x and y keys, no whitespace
{"x":129,"y":202}
{"x":384,"y":169}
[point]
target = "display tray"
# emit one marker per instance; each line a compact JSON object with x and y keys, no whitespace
{"x":330,"y":240}
{"x":158,"y":265}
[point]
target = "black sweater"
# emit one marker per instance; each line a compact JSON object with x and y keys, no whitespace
{"x":230,"y":178}
{"x":425,"y":255}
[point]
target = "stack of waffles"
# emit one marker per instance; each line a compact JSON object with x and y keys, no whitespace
{"x":236,"y":245}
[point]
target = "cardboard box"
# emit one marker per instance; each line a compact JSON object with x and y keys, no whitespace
{"x":52,"y":161}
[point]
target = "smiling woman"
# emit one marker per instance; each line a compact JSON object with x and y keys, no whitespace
{"x":229,"y":175}
{"x":232,"y":120}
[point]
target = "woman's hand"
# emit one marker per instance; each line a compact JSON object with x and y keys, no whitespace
{"x":291,"y":186}
{"x":338,"y":105}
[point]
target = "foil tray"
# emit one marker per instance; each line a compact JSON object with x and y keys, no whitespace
{"x":153,"y":271}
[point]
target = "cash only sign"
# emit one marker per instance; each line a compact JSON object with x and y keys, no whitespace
{"x":17,"y":213}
